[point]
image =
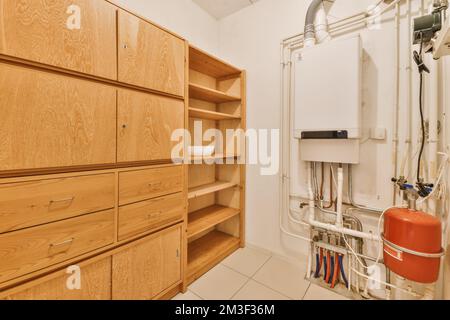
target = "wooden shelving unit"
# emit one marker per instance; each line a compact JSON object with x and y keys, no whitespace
{"x":209,"y":188}
{"x":211,"y":95}
{"x":216,"y":221}
{"x":209,"y":217}
{"x":211,"y":115}
{"x":209,"y":250}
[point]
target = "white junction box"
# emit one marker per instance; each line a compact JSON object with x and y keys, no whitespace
{"x":328,"y":101}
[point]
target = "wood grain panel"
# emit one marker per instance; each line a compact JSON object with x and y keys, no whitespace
{"x":145,"y":126}
{"x":95,"y":285}
{"x":35,"y":248}
{"x":144,"y":271}
{"x":50,"y":120}
{"x":150,"y":57}
{"x":38,"y":30}
{"x":33,"y":202}
{"x":141,"y":185}
{"x":147,"y":215}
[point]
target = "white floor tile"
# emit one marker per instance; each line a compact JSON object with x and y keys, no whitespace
{"x":221,"y":283}
{"x":318,"y":293}
{"x":187,"y":296}
{"x":255,"y":291}
{"x":246,"y":261}
{"x":284,"y":276}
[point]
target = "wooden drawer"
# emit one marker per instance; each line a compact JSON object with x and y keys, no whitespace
{"x":95,"y":285}
{"x":146,"y":123}
{"x":141,"y":185}
{"x":50,"y":120}
{"x":148,"y":268}
{"x":147,"y":215}
{"x":32,"y":249}
{"x":47,"y":32}
{"x":31,"y":203}
{"x":149,"y":56}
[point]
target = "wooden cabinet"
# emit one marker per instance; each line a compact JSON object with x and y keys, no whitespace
{"x":78,"y":35}
{"x":33,"y":202}
{"x":149,"y":56}
{"x":95,"y":285}
{"x":147,"y":269}
{"x":145,"y":126}
{"x":141,"y":185}
{"x":147,"y":215}
{"x":35,"y":248}
{"x":50,"y":120}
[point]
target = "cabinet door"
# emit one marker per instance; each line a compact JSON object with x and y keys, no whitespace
{"x":145,"y":270}
{"x":95,"y":285}
{"x":78,"y":35}
{"x":145,"y":126}
{"x":50,"y":120}
{"x":149,"y":56}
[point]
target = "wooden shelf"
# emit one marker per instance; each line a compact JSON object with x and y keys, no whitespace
{"x":215,"y":158}
{"x":210,"y":188}
{"x":211,"y":115}
{"x":207,"y":64}
{"x":207,"y":251}
{"x":205,"y":219}
{"x":203,"y":93}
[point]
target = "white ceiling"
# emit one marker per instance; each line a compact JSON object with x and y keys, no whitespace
{"x":222,"y":8}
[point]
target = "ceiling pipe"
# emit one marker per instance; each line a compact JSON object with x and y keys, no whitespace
{"x":315,"y":9}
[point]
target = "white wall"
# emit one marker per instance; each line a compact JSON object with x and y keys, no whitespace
{"x":251,"y":39}
{"x":183,"y":17}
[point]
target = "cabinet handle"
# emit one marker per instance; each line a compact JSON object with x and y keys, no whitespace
{"x":154,"y":214}
{"x":125,"y":46}
{"x":65,"y":244}
{"x":155,"y":184}
{"x":62,"y":200}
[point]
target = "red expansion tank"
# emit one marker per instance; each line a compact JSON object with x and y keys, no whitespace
{"x":412,"y":246}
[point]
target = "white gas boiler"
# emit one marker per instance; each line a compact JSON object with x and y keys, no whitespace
{"x":328,"y":101}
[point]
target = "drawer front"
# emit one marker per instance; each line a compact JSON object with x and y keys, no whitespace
{"x":31,"y":203}
{"x":78,"y":35}
{"x":149,"y":56}
{"x":146,"y":123}
{"x":54,"y":120}
{"x":147,"y":215}
{"x":32,"y":249}
{"x":95,"y":285}
{"x":141,"y":185}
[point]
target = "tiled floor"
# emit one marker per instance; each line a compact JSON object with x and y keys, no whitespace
{"x":253,"y":274}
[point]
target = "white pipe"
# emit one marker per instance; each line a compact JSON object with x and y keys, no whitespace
{"x":321,"y":25}
{"x":433,"y":129}
{"x":330,"y":227}
{"x":396,"y":112}
{"x":340,"y":191}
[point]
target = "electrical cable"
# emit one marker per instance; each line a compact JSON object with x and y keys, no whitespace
{"x":332,"y":269}
{"x":316,"y":274}
{"x":341,"y":266}
{"x":336,"y":271}
{"x":418,"y":58}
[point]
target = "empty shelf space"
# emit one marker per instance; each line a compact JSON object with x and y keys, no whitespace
{"x":210,"y":188}
{"x":207,"y":251}
{"x":210,"y":115}
{"x":205,"y":63}
{"x":204,"y":219}
{"x":206,"y":94}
